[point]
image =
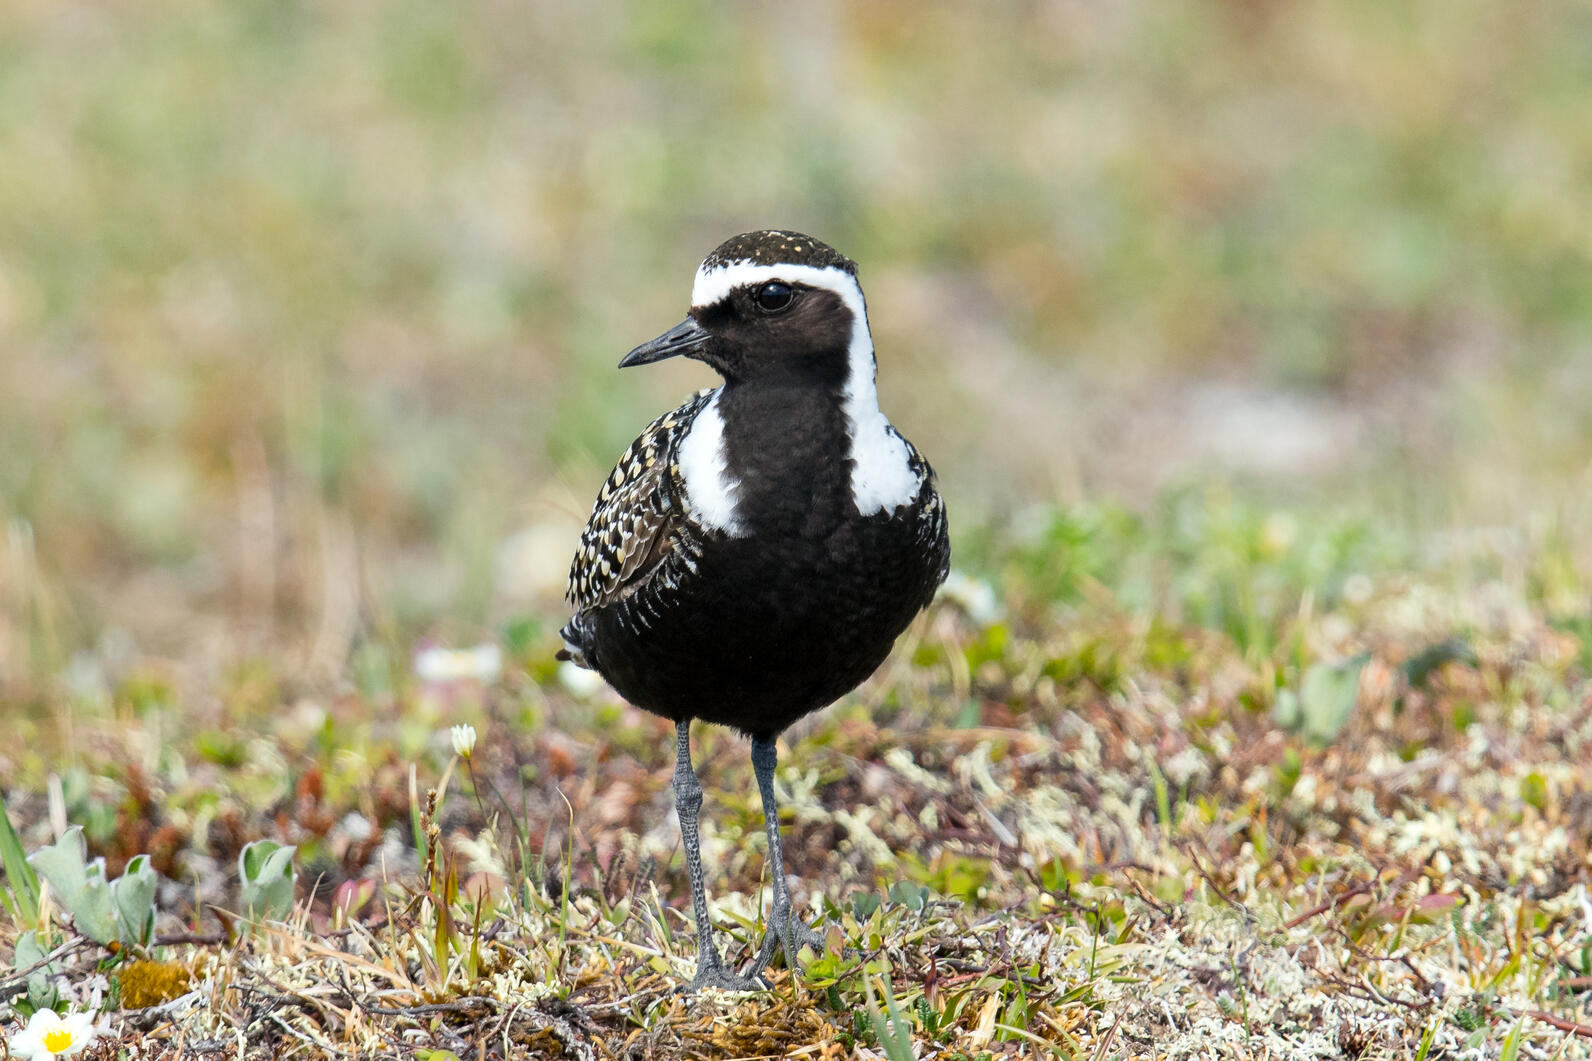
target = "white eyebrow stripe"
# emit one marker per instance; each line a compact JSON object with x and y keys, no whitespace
{"x":882,"y":478}
{"x":714,"y":283}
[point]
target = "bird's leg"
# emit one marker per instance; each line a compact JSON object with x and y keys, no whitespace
{"x":783,"y":928}
{"x":711,"y":971}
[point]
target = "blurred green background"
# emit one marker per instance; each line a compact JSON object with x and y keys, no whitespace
{"x":309,"y":312}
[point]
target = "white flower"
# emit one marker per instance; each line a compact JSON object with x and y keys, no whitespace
{"x":579,"y":680}
{"x":463,"y":740}
{"x":48,"y":1035}
{"x":973,"y":595}
{"x":443,"y":666}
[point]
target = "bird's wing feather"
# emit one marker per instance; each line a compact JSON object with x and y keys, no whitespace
{"x":933,"y":527}
{"x":638,"y":516}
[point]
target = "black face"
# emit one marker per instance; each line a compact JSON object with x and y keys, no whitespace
{"x":770,"y":328}
{"x":777,"y":329}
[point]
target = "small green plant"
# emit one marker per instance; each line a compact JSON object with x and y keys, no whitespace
{"x":457,"y":914}
{"x":1427,"y":1038}
{"x":910,"y":895}
{"x":122,"y":910}
{"x":1325,"y":700}
{"x":864,"y":903}
{"x":267,"y":877}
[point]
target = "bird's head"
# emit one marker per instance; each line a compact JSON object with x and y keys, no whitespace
{"x":772,"y":303}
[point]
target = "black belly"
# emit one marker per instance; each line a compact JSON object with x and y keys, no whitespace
{"x":766,"y":629}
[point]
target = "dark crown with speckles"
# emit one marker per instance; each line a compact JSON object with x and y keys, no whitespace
{"x":776,"y":247}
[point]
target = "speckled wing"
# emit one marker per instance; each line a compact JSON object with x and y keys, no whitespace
{"x":933,"y":528}
{"x":637,"y":517}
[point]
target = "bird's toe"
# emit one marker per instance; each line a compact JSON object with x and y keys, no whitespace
{"x":722,"y":979}
{"x":789,"y":934}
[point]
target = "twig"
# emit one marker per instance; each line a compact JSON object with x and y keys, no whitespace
{"x":619,"y":1004}
{"x":1111,"y":1034}
{"x":1316,"y":911}
{"x":1144,"y":895}
{"x":458,"y":1005}
{"x":1221,"y":893}
{"x":1367,"y":991}
{"x":304,"y":1037}
{"x":1573,"y":1027}
{"x":198,"y":938}
{"x":300,"y":998}
{"x":150,"y":1016}
{"x":17,"y":983}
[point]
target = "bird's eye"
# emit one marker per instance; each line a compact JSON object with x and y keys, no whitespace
{"x":775,"y":297}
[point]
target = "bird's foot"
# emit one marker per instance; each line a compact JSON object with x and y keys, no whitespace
{"x":788,"y":933}
{"x":715,"y":975}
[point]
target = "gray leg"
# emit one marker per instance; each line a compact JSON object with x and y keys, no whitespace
{"x":711,"y":971}
{"x":783,"y":929}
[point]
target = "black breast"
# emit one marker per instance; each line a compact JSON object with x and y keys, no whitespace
{"x":755,"y":631}
{"x":787,"y":447}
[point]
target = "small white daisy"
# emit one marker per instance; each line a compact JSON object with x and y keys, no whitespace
{"x":463,"y":740}
{"x":49,"y":1035}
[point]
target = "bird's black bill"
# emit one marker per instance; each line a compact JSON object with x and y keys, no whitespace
{"x":683,"y":338}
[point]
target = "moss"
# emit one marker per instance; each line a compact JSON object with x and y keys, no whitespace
{"x":149,"y":983}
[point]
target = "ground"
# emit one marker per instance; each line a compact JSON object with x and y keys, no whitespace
{"x":1255,"y":788}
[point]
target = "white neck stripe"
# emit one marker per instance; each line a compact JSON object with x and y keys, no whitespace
{"x":708,"y":482}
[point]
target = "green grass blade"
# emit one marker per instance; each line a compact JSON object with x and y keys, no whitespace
{"x":24,"y":882}
{"x":894,"y":1038}
{"x":1511,"y":1048}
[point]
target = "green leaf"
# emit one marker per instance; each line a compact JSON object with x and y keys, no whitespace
{"x":909,"y":894}
{"x":30,"y":949}
{"x":266,"y":869}
{"x":42,"y":994}
{"x":1286,"y":711}
{"x":863,"y":904}
{"x":80,"y":884}
{"x":1325,"y":701}
{"x":133,"y":895}
{"x":1534,"y":790}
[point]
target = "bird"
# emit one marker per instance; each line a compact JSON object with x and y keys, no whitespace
{"x":755,"y":552}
